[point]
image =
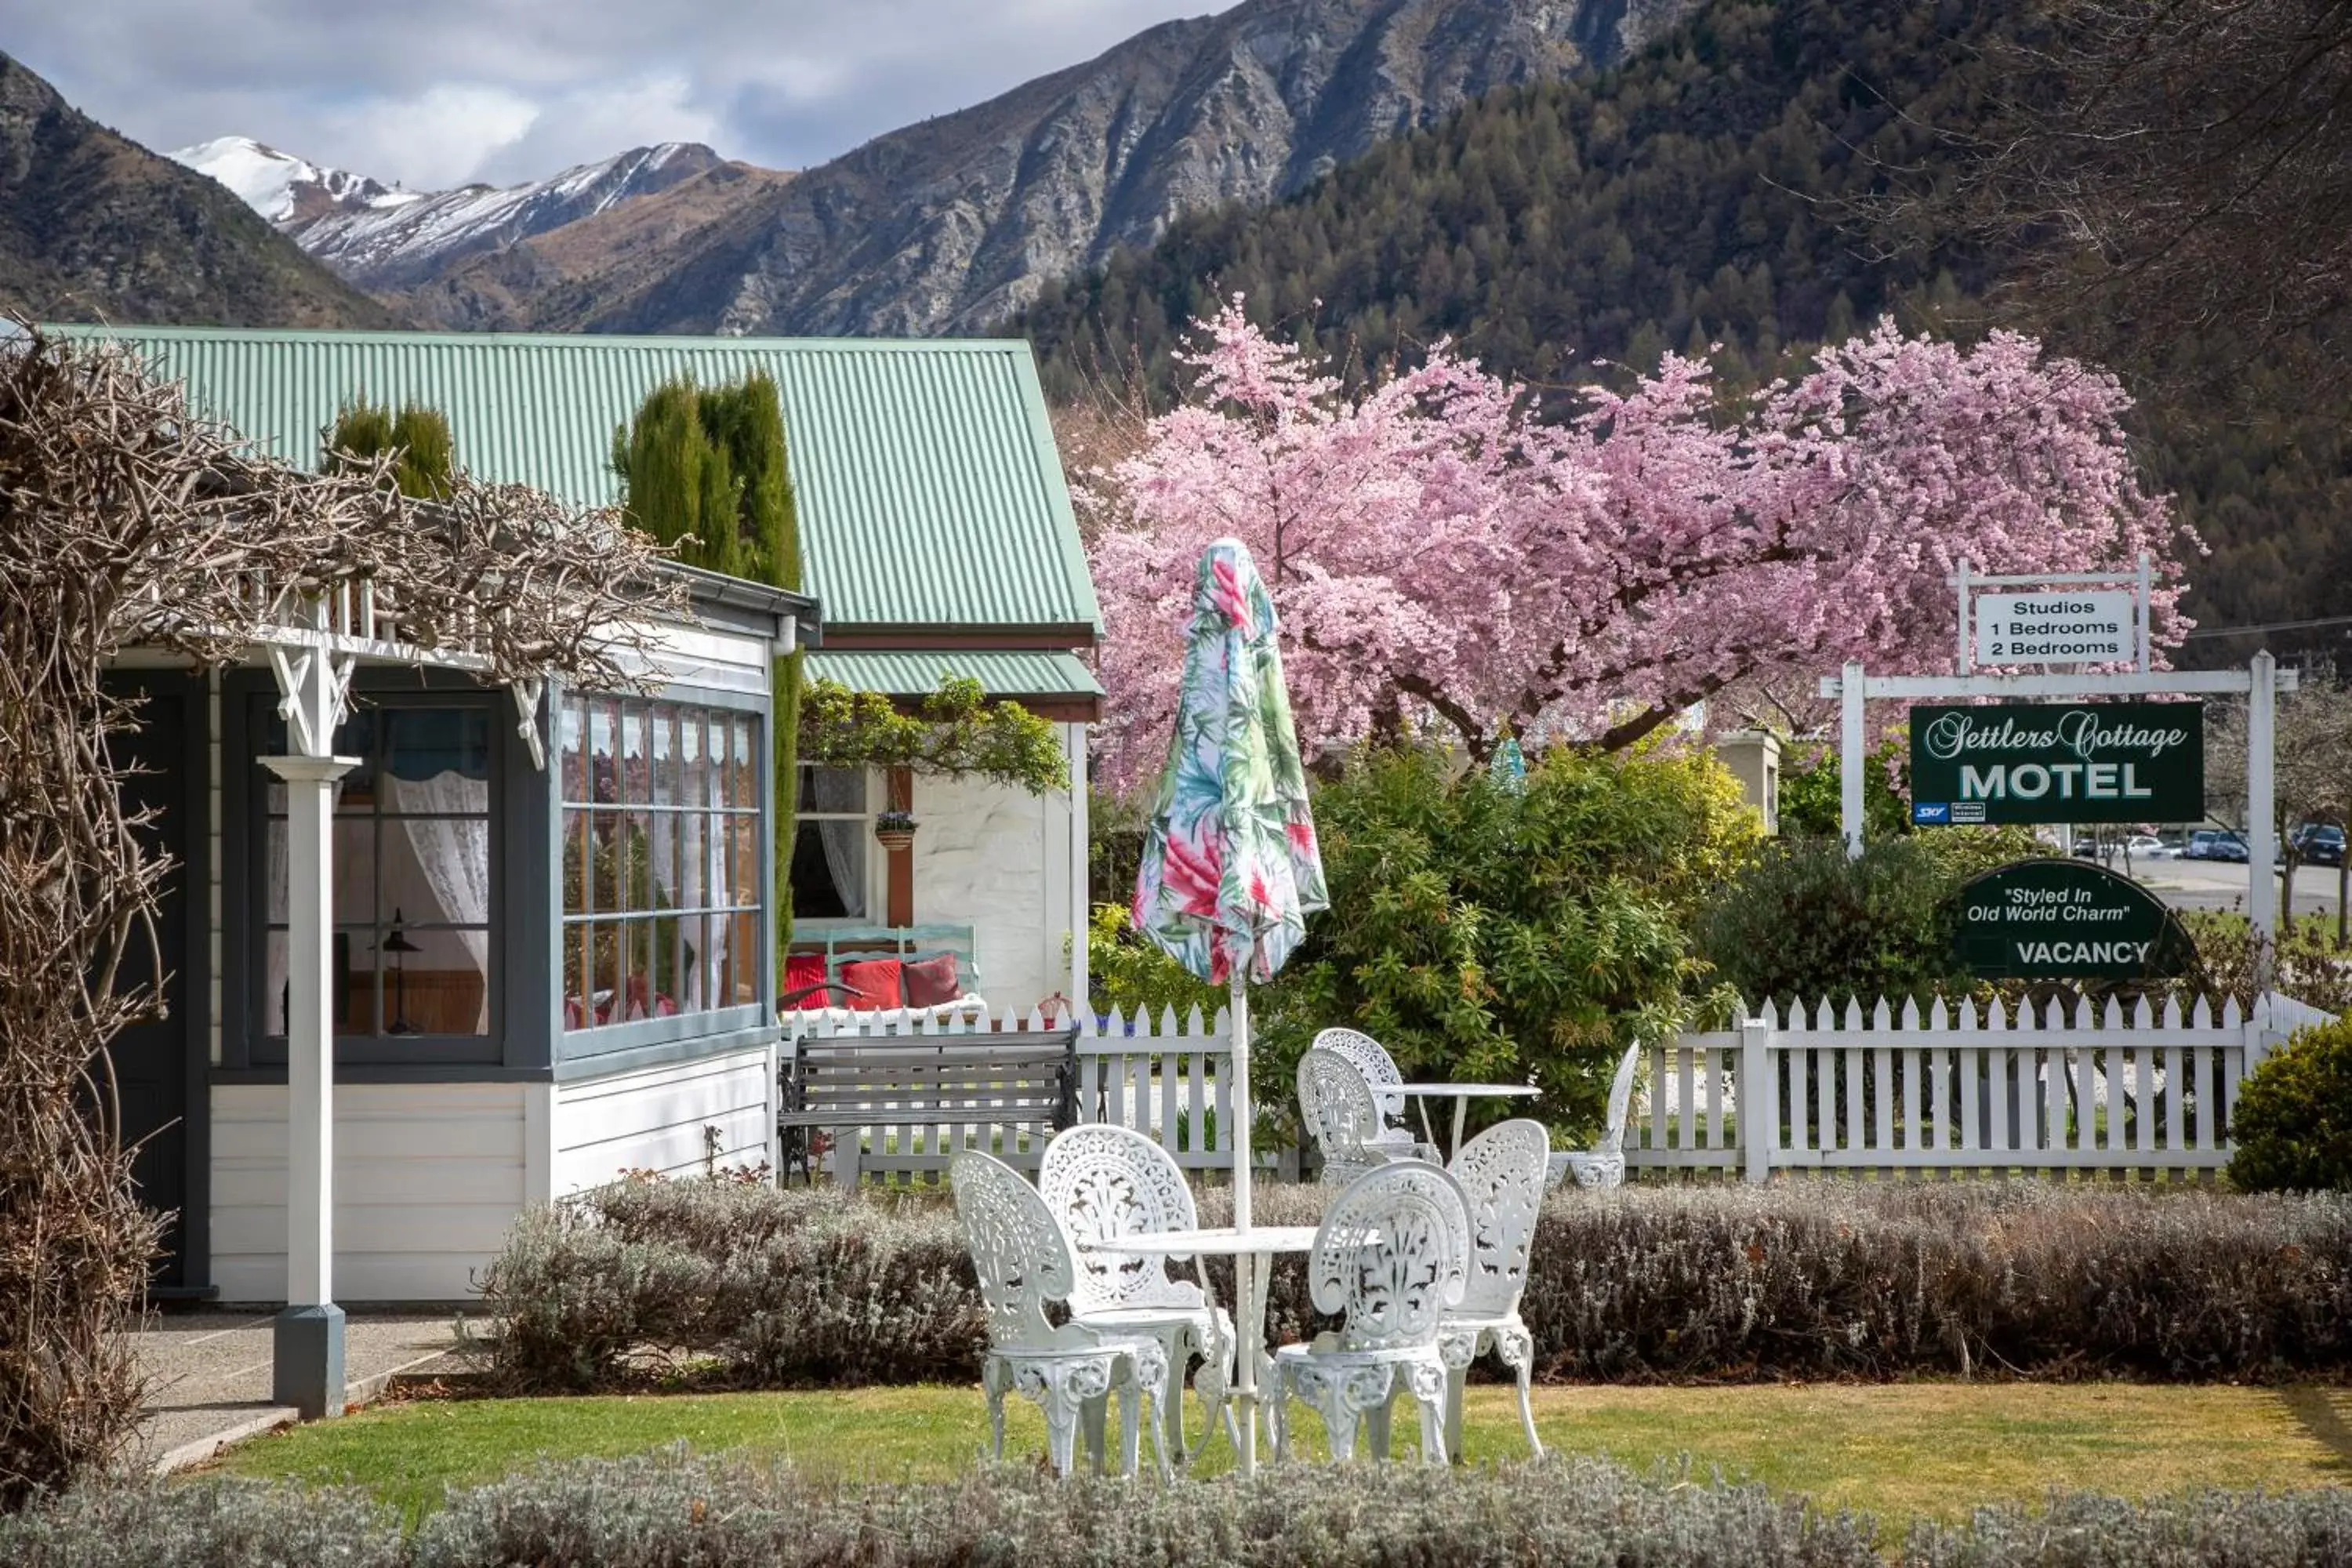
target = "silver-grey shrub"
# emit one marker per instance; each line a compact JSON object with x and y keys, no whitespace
{"x":203,"y":1524}
{"x":779,"y":1290}
{"x":655,"y":1512}
{"x":671,"y":1509}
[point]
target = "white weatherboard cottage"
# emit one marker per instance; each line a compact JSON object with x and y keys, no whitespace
{"x":549,"y":955}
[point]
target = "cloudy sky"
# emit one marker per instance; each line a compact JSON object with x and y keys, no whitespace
{"x":434,"y":93}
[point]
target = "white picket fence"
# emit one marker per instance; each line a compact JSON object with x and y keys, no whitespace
{"x":1956,"y":1092}
{"x":1949,"y":1092}
{"x":1168,"y":1078}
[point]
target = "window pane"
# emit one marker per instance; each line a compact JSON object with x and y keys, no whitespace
{"x":828,"y":870}
{"x":576,"y":862}
{"x":604,"y":738}
{"x":354,"y":872}
{"x":743,"y":961}
{"x":355,"y":791}
{"x":664,"y":744}
{"x":661,"y":855}
{"x":437,"y":871}
{"x":636,"y":771}
{"x":579,"y":973}
{"x":273,"y":982}
{"x":572,"y":747}
{"x":742,"y":765}
{"x":832,"y":790}
{"x":693,"y":764}
{"x":694,"y":962}
{"x":423,"y":744}
{"x":639,"y":882}
{"x":693,"y":860}
{"x":605,"y":861}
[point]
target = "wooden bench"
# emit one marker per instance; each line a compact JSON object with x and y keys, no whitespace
{"x":846,"y":1083}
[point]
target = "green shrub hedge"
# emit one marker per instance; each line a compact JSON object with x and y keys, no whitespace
{"x":676,"y":1512}
{"x":2293,"y":1125}
{"x":746,"y":1286}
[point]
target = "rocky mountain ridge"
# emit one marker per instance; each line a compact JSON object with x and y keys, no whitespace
{"x":387,"y":241}
{"x":953,"y":224}
{"x":95,"y":227}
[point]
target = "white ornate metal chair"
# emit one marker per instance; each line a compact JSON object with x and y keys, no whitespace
{"x":1103,"y":1183}
{"x":1603,"y":1165}
{"x":1380,"y":1071}
{"x":1390,"y":1256}
{"x":1502,"y":1176}
{"x":1022,"y":1259}
{"x":1339,"y":1111}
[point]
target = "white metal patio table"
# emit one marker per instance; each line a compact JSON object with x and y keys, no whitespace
{"x":1252,"y":1251}
{"x":1462,"y":1094}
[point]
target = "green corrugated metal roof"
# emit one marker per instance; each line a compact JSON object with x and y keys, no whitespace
{"x":909,"y":673}
{"x":930,"y":492}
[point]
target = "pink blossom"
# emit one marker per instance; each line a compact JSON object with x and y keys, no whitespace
{"x":1439,"y":554}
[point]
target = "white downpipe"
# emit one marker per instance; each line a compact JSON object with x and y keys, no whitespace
{"x":1081,"y":902}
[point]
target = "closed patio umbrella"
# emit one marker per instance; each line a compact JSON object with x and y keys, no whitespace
{"x":1230,"y":868}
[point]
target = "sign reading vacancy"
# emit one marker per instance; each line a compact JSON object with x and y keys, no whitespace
{"x":2100,"y":627}
{"x":2059,"y":919}
{"x":2085,"y":762}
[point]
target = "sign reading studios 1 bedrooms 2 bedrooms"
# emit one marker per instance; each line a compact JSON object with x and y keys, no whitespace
{"x":2060,"y":762}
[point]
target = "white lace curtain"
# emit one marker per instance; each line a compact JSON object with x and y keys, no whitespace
{"x":454,"y":857}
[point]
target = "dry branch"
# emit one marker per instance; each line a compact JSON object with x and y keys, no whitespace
{"x":127,"y":521}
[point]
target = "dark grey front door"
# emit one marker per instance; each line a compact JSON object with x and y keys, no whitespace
{"x":159,"y":1064}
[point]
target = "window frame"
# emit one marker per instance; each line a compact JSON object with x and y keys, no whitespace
{"x":245,"y":1047}
{"x":721,"y":821}
{"x":871,"y":866}
{"x":606,"y":1049}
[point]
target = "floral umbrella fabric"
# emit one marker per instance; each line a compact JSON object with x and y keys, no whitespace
{"x":1230,"y":868}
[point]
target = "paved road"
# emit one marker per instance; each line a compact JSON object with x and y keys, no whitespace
{"x":2221,"y":885}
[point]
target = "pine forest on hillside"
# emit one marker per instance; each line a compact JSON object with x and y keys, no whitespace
{"x":1730,"y":186}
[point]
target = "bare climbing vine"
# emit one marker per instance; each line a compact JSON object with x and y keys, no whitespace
{"x":128,"y":522}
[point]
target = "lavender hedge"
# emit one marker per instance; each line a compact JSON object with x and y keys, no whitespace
{"x":741,"y":1286}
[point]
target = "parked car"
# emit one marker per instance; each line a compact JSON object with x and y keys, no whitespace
{"x":2319,"y":844}
{"x":2145,"y":847}
{"x":2216,"y":844}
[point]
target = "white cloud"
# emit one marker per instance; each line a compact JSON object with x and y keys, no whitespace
{"x":436,"y":139}
{"x":435,"y":92}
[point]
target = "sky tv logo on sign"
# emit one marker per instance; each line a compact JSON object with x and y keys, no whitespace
{"x":2046,"y":763}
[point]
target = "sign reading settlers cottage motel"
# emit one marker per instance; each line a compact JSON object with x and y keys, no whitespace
{"x":2050,"y":762}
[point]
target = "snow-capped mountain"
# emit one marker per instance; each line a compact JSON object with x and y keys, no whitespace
{"x":287,"y":190}
{"x":385,"y":239}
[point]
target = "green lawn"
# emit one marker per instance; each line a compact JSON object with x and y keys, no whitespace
{"x":1893,"y":1450}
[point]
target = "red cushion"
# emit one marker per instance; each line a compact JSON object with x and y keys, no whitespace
{"x":932,"y":981}
{"x":875,"y":982}
{"x":805,"y":969}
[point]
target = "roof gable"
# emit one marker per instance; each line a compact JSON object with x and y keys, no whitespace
{"x":930,"y":489}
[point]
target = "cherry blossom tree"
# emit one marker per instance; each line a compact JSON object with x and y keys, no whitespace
{"x":1441,"y":552}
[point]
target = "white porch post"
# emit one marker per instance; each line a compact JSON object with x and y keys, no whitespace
{"x":307,"y":1344}
{"x":2262,"y":831}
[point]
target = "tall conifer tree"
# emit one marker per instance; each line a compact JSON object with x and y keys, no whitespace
{"x":428,"y":453}
{"x":704,"y":469}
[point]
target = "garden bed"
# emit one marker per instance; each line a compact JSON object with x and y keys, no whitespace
{"x":741,"y":1286}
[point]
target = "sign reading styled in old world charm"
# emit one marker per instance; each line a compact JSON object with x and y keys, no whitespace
{"x":2049,"y":762}
{"x":2068,"y":919}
